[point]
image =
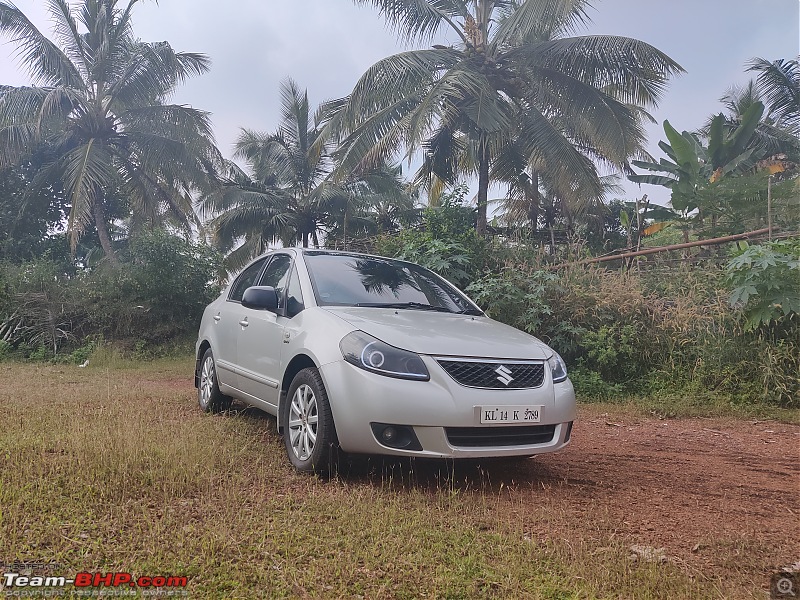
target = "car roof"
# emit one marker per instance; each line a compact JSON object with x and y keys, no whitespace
{"x":321,"y":252}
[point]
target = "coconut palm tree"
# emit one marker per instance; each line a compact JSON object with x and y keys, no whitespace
{"x":287,"y":194}
{"x":778,"y":82}
{"x":515,"y":74}
{"x":99,"y":103}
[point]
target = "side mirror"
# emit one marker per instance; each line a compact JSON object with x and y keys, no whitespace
{"x":260,"y":298}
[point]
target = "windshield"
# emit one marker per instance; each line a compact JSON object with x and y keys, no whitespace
{"x":348,"y":280}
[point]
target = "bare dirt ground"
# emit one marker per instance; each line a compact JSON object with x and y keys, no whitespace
{"x":704,"y":490}
{"x":718,"y":497}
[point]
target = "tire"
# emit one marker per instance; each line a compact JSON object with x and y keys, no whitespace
{"x":209,"y":397}
{"x":309,"y":434}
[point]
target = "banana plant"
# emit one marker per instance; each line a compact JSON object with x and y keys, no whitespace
{"x":699,"y":174}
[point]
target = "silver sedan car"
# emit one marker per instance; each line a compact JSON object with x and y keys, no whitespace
{"x":373,"y":355}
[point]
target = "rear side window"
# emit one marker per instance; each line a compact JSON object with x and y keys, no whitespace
{"x":246,"y":279}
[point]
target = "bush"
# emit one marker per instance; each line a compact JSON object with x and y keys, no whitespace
{"x":157,"y":295}
{"x":445,"y":241}
{"x":766,"y":283}
{"x":40,"y":311}
{"x":645,"y":333}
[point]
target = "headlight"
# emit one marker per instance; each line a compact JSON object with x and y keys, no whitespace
{"x":371,"y":354}
{"x":557,"y":367}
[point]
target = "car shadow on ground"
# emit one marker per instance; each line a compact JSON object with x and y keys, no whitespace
{"x":428,"y":474}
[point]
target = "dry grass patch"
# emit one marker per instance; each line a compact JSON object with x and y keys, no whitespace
{"x":113,"y":467}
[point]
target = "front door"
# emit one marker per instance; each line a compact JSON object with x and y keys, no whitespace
{"x":261,"y":341}
{"x":228,"y":328}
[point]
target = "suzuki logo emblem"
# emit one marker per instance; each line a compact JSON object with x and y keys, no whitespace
{"x":504,"y":375}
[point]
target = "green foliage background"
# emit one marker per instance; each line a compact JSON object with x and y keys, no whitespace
{"x":664,"y":331}
{"x":154,"y":299}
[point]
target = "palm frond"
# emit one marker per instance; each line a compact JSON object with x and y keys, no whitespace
{"x":779,"y":82}
{"x":421,"y":19}
{"x":45,"y":62}
{"x":399,"y":75}
{"x":529,"y":20}
{"x":86,"y":169}
{"x":629,"y":70}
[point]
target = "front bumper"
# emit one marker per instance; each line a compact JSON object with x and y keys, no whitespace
{"x":359,"y":398}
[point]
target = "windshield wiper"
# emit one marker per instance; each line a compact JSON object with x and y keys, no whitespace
{"x":470,"y":311}
{"x":413,"y":305}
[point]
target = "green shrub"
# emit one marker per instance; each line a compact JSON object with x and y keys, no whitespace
{"x":766,"y":283}
{"x":159,"y":293}
{"x":155,"y":297}
{"x":449,"y":259}
{"x":633,"y":333}
{"x":445,"y":241}
{"x":590,"y":385}
{"x":515,"y":297}
{"x":40,"y":310}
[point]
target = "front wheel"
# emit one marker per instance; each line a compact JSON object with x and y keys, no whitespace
{"x":308,"y":430}
{"x":209,"y":396}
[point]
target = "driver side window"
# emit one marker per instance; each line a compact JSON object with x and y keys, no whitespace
{"x":246,"y":279}
{"x":277,"y":275}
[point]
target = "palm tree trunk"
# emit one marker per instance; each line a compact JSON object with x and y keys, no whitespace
{"x":534,"y":200}
{"x":305,"y":239}
{"x":483,"y":186}
{"x":102,"y":232}
{"x":315,"y":238}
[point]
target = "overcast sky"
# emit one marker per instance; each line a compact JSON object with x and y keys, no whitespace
{"x":327,"y":44}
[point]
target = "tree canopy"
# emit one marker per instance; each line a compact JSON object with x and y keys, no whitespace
{"x":518,"y":93}
{"x":99,"y":103}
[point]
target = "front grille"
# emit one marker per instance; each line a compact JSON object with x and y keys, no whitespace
{"x":495,"y":375}
{"x":482,"y":437}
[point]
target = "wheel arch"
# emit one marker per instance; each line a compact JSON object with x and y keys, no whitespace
{"x":201,"y":350}
{"x":297,"y":364}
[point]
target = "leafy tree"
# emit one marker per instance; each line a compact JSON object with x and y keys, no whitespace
{"x":99,"y":104}
{"x":607,"y":229}
{"x":29,"y":227}
{"x":159,"y":296}
{"x":288,"y":195}
{"x":516,"y":75}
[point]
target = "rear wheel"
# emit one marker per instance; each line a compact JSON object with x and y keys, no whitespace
{"x":308,"y":430}
{"x":209,"y":396}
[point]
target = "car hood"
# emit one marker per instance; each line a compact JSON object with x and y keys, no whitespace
{"x":443,"y":334}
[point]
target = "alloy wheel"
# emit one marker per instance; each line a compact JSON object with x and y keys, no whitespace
{"x":206,"y":382}
{"x":303,"y":422}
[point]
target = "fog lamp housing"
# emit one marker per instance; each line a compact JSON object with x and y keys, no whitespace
{"x":400,"y":437}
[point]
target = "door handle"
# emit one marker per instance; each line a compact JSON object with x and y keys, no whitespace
{"x":244,"y":322}
{"x":217,"y":318}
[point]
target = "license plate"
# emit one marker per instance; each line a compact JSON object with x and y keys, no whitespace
{"x":510,"y":414}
